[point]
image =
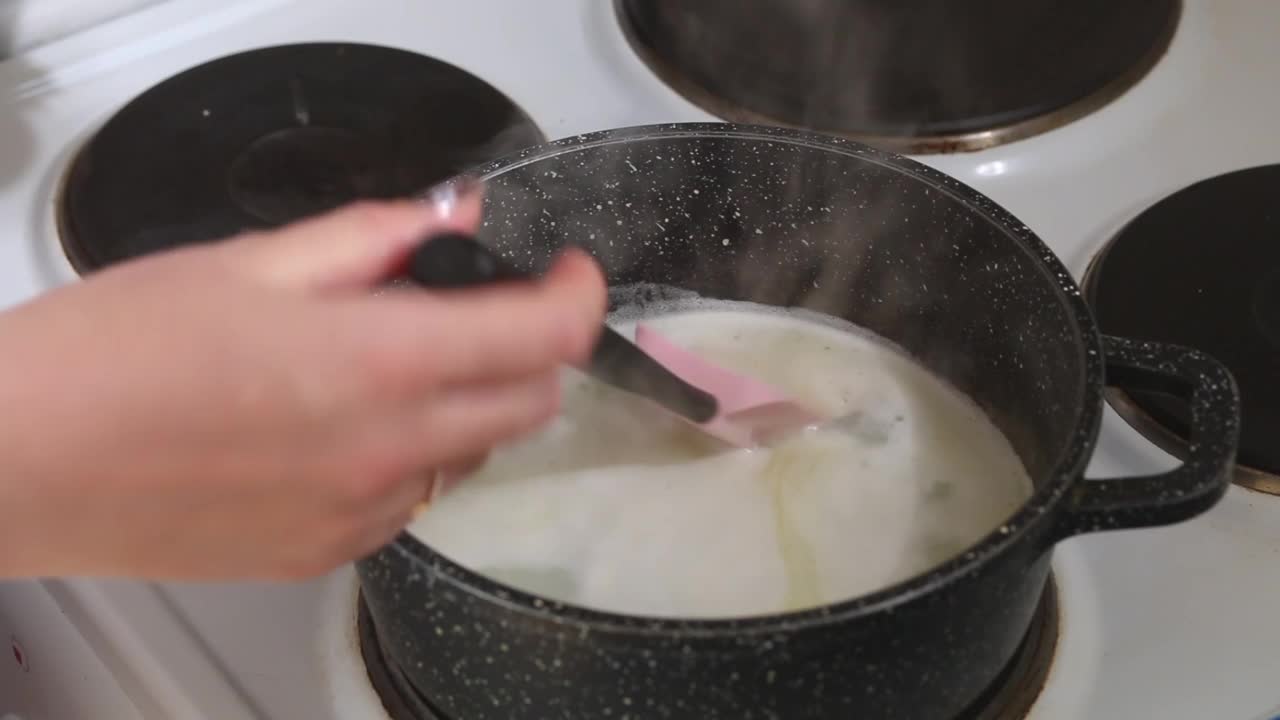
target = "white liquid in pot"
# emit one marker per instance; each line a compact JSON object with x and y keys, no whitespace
{"x":617,"y":506}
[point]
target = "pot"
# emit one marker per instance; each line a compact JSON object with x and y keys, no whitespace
{"x":791,"y":218}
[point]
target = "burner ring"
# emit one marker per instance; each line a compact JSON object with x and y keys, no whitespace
{"x":1129,"y":410}
{"x":1127,"y":407}
{"x":907,"y":140}
{"x":1200,"y":268}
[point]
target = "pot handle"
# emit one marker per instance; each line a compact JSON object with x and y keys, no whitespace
{"x":1201,"y":480}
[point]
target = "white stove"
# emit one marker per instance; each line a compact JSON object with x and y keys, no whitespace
{"x":1177,"y":623}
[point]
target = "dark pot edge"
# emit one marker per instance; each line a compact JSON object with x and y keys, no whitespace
{"x":1035,"y":515}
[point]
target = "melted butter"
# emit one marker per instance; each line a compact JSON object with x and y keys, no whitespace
{"x":790,"y":465}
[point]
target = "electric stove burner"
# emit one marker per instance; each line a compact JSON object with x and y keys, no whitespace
{"x":1201,"y":268}
{"x":261,"y":138}
{"x":1009,"y":698}
{"x":917,"y":78}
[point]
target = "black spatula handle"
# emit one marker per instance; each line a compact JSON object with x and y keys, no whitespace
{"x":456,"y":261}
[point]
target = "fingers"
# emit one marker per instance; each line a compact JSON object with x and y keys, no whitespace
{"x":407,"y":500}
{"x":379,"y":534}
{"x":467,"y":421}
{"x":456,"y":470}
{"x":493,"y":333}
{"x":452,"y":438}
{"x":501,"y":332}
{"x":353,"y":247}
{"x":452,"y":473}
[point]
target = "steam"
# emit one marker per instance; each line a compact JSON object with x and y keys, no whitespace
{"x":833,"y":230}
{"x":837,"y":67}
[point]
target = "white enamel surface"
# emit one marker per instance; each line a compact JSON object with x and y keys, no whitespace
{"x":1177,"y":623}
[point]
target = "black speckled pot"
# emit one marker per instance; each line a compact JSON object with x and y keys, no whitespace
{"x":793,"y":218}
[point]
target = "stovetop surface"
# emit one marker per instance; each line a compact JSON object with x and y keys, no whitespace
{"x":1177,"y":622}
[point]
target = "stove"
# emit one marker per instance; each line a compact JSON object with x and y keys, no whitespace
{"x":1175,"y":622}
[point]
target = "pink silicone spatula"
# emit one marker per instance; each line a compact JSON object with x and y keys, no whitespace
{"x":750,"y":411}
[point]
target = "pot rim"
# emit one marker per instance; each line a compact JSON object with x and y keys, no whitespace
{"x":1035,"y":513}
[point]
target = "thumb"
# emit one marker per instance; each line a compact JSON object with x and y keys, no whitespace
{"x":356,"y":246}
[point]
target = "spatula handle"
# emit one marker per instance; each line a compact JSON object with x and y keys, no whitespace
{"x":455,"y":261}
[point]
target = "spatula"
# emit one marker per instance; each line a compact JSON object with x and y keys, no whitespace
{"x":751,"y":412}
{"x":454,"y":261}
{"x":732,"y":407}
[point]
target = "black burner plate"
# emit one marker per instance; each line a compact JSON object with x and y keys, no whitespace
{"x":889,"y":70}
{"x":1201,"y":268}
{"x":271,"y":135}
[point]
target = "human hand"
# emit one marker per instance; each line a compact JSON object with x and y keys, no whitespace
{"x":251,"y":409}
